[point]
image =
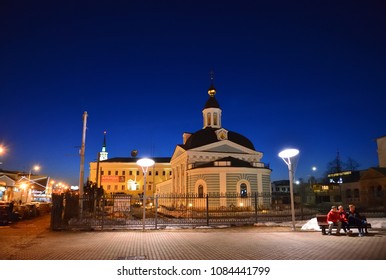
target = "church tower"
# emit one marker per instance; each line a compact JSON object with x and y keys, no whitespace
{"x":103,"y":155}
{"x":212,"y":112}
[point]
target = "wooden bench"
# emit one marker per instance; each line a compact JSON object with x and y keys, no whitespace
{"x":323,"y":225}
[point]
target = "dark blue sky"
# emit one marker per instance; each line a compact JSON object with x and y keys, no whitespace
{"x":304,"y":74}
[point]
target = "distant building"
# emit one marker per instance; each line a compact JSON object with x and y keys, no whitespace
{"x":24,"y":187}
{"x":122,"y":175}
{"x":281,"y":186}
{"x":280,"y":193}
{"x":381,"y":143}
{"x":365,"y":188}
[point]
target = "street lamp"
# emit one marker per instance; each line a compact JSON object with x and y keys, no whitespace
{"x":286,"y":155}
{"x":2,"y":151}
{"x":36,"y":168}
{"x":145,"y":163}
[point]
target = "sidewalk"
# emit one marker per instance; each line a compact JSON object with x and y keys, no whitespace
{"x":33,"y":240}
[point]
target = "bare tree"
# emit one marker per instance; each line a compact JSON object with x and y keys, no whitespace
{"x":351,"y":164}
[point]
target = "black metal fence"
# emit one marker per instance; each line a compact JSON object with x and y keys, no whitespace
{"x":161,"y":211}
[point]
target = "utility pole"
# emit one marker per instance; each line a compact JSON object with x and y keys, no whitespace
{"x":81,"y":173}
{"x":97,"y":170}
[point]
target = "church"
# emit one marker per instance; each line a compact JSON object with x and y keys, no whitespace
{"x":215,"y":160}
{"x":211,"y":161}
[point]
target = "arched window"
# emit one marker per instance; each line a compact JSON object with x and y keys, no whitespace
{"x":200,"y":191}
{"x":214,"y":118}
{"x":208,"y":119}
{"x":243,"y":190}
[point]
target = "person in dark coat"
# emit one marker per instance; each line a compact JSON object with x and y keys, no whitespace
{"x":10,"y":210}
{"x":355,"y":219}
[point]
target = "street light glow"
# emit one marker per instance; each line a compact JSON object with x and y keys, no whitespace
{"x":145,"y":162}
{"x":288,"y":153}
{"x":36,"y":167}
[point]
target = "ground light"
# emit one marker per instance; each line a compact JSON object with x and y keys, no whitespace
{"x":286,"y":155}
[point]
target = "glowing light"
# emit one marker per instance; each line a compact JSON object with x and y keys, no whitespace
{"x":145,"y":162}
{"x":288,"y":153}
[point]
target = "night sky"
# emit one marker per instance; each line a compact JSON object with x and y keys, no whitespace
{"x":301,"y":74}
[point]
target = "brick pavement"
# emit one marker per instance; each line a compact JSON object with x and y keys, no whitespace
{"x":32,"y":240}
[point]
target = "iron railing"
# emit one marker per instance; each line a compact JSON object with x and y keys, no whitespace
{"x":121,"y":211}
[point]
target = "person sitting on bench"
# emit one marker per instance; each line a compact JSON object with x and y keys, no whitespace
{"x":344,"y":219}
{"x":333,"y":218}
{"x":355,"y":219}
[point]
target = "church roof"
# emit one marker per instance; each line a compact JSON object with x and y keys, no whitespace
{"x":211,"y":103}
{"x":208,"y":135}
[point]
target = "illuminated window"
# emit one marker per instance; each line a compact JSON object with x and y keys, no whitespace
{"x":243,"y":190}
{"x":215,"y":119}
{"x":208,"y":119}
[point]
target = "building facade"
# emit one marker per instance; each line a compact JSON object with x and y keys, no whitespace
{"x":122,"y":175}
{"x":23,"y":187}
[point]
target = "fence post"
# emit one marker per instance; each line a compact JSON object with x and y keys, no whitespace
{"x":156,"y":211}
{"x":256,"y":207}
{"x":207,"y":209}
{"x":103,"y":209}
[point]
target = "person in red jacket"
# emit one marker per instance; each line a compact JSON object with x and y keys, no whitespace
{"x":344,"y":219}
{"x":333,"y":218}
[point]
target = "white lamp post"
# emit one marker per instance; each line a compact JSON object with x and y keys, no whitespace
{"x":36,"y":168}
{"x":286,"y":155}
{"x":145,"y":163}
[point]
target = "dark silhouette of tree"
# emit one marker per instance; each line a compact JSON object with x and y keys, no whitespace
{"x":337,"y":165}
{"x":351,"y":164}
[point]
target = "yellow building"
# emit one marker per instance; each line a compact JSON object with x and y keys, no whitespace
{"x":122,"y":175}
